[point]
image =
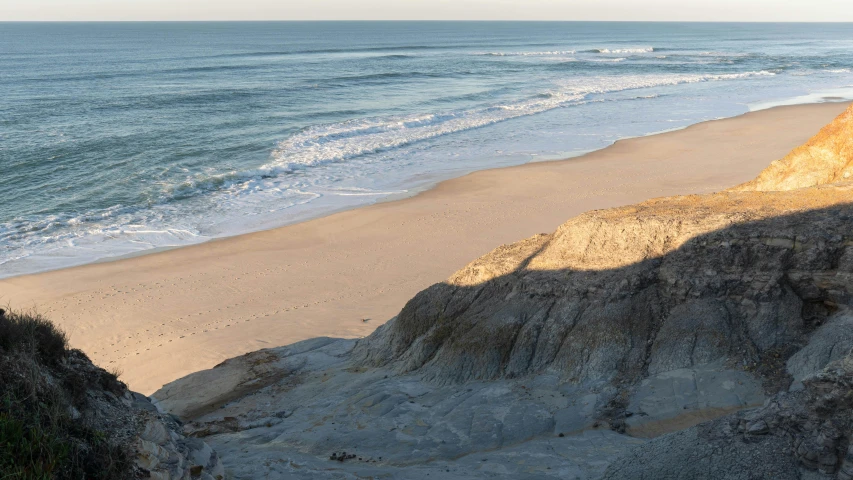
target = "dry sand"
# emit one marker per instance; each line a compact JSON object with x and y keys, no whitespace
{"x":161,"y":316}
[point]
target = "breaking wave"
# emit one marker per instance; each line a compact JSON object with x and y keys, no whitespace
{"x":623,"y":51}
{"x":529,"y":54}
{"x":340,"y":141}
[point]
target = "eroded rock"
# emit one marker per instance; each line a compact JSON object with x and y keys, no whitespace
{"x":618,"y":294}
{"x":794,"y":433}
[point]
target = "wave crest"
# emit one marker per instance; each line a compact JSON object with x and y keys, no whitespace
{"x":554,"y":53}
{"x":623,"y":51}
{"x":338,"y":142}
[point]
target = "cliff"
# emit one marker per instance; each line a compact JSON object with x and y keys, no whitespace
{"x":564,"y":353}
{"x":622,"y":293}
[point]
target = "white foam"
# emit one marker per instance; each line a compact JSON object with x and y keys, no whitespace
{"x":821,"y":96}
{"x":633,"y":82}
{"x":809,"y":72}
{"x":341,"y":141}
{"x":623,"y":51}
{"x":55,"y":243}
{"x":363,"y":192}
{"x":529,"y":54}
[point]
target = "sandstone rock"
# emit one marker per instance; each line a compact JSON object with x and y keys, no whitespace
{"x":681,"y":398}
{"x":231,"y":379}
{"x":163,"y":452}
{"x":826,"y":158}
{"x":149,"y":455}
{"x":401,"y":426}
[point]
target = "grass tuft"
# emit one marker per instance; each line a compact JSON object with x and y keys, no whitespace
{"x":43,"y":391}
{"x":32,"y":333}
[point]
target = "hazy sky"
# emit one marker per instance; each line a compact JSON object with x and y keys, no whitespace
{"x":707,"y":10}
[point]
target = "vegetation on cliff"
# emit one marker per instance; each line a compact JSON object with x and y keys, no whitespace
{"x":44,"y":433}
{"x":63,"y":418}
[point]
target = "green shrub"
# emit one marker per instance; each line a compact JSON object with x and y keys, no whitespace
{"x":33,"y":333}
{"x":39,"y":388}
{"x":29,"y":451}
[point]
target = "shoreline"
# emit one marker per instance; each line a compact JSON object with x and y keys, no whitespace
{"x":412,"y":188}
{"x":159,"y":315}
{"x":409,"y":192}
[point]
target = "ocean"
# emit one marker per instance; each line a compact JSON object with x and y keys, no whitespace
{"x":121,"y":138}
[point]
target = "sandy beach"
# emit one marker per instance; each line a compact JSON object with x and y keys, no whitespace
{"x":161,"y":316}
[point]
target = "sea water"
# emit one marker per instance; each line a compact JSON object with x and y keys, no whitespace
{"x":120,"y":138}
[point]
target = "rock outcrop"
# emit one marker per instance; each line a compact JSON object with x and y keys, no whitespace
{"x":619,"y":294}
{"x":161,"y":451}
{"x":564,"y":351}
{"x":825,"y":158}
{"x":791,"y":436}
{"x":330,"y":418}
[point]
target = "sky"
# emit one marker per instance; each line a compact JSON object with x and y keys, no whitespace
{"x":638,"y":10}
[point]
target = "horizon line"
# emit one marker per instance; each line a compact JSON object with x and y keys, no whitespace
{"x":431,"y":20}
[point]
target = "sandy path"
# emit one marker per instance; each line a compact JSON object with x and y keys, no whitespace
{"x":161,"y":316}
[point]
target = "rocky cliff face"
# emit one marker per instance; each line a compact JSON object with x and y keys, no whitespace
{"x":793,"y":434}
{"x":798,"y":432}
{"x":619,"y":294}
{"x":564,"y":351}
